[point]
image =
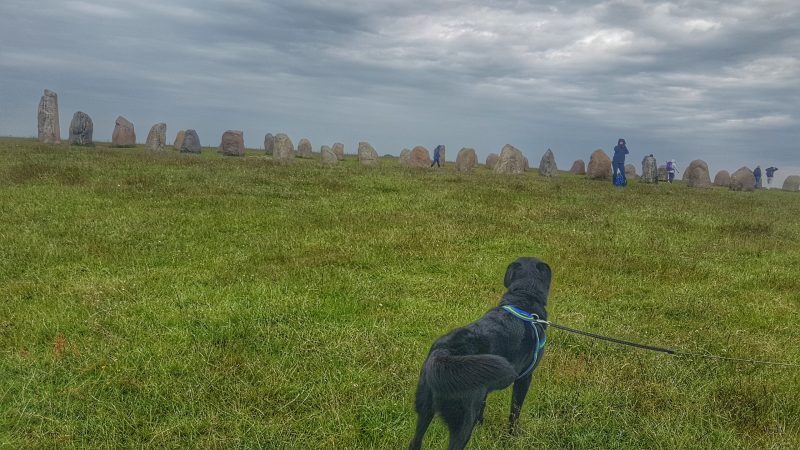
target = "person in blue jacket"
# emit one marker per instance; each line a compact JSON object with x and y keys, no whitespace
{"x":618,"y":163}
{"x":757,"y":174}
{"x":437,"y":154}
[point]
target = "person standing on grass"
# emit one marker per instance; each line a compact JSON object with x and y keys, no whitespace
{"x":672,"y":168}
{"x":437,"y":154}
{"x":757,"y":174}
{"x":618,"y":163}
{"x":770,"y":173}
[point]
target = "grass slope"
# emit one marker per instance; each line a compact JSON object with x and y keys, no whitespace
{"x":168,"y":300}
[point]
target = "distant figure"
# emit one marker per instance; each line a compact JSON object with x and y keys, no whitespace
{"x":770,"y":173}
{"x":437,"y":154}
{"x":757,"y":174}
{"x":672,"y":168}
{"x":618,"y":163}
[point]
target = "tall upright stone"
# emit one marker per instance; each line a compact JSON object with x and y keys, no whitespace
{"x":81,"y":129}
{"x":743,"y":180}
{"x":232,"y":143}
{"x":157,"y":137}
{"x":304,"y":149}
{"x":269,"y":143}
{"x":283,"y":148}
{"x":491,"y":160}
{"x":327,"y":156}
{"x":649,"y":169}
{"x":511,"y":161}
{"x":367,"y":155}
{"x":338,"y":150}
{"x":599,"y":166}
{"x":547,"y":166}
{"x":466,"y":160}
{"x":124,"y":135}
{"x":723,"y":178}
{"x":662,"y":173}
{"x":47,"y":117}
{"x":578,"y":167}
{"x":696,"y":175}
{"x":179,"y":140}
{"x":191,"y":142}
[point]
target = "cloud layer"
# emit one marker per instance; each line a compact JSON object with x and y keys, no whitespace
{"x":715,"y":80}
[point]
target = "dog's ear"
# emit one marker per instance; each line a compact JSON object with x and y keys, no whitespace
{"x":544,"y":268}
{"x":512,"y":269}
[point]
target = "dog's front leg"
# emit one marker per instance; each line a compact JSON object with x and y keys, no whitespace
{"x":517,"y":398}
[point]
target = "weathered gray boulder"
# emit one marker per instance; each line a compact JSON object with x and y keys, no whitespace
{"x":157,"y":137}
{"x":80,"y":129}
{"x":191,"y":142}
{"x":791,"y":183}
{"x":418,"y":157}
{"x":511,"y":161}
{"x":722,"y":178}
{"x":630,"y":172}
{"x":405,"y":155}
{"x":696,"y":175}
{"x":491,"y":160}
{"x":649,"y":169}
{"x":179,"y":140}
{"x":47,"y":118}
{"x":367,"y":155}
{"x":547,"y":166}
{"x":304,"y":149}
{"x":232,"y":143}
{"x":338,"y":150}
{"x":599,"y":166}
{"x":663,"y":175}
{"x":578,"y":168}
{"x":743,"y":180}
{"x":525,"y":165}
{"x":269,"y":143}
{"x":328,"y":157}
{"x":466,"y":160}
{"x":124,"y":134}
{"x":282,"y":148}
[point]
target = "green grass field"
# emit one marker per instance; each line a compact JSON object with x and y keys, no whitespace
{"x":169,"y":300}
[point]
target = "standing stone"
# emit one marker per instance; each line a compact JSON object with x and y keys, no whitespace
{"x":696,"y":175}
{"x":511,"y":161}
{"x":630,"y":172}
{"x":599,"y":166}
{"x":491,"y":160}
{"x":157,"y":137}
{"x":419,"y":157}
{"x":442,"y":152}
{"x":466,"y":160}
{"x":743,"y":180}
{"x":791,"y":183}
{"x":525,"y":165}
{"x":722,"y":178}
{"x":304,"y":149}
{"x":578,"y":168}
{"x":283,"y":148}
{"x":547,"y":166}
{"x":367,"y":155}
{"x":649,"y":169}
{"x":405,"y":156}
{"x":329,"y":158}
{"x":124,"y":134}
{"x":269,"y":143}
{"x":179,"y":140}
{"x":232,"y":143}
{"x":663,"y":175}
{"x":49,"y":127}
{"x":338,"y":150}
{"x":80,"y":129}
{"x":191,"y":142}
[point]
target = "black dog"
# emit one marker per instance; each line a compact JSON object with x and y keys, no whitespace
{"x":489,"y":354}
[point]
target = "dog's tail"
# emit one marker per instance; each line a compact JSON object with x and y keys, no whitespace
{"x":450,"y":374}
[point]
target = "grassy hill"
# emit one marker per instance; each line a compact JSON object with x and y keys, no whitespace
{"x":169,"y":300}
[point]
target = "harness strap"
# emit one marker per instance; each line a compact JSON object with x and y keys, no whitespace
{"x":532,"y":319}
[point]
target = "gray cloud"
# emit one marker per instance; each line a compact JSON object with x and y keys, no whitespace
{"x":708,"y":79}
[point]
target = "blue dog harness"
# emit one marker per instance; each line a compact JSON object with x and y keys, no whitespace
{"x":532,"y":319}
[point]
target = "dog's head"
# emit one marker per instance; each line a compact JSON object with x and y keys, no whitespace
{"x":530,"y":275}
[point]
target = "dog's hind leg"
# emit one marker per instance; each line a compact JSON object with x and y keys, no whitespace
{"x":460,"y":415}
{"x":425,"y":413}
{"x":517,"y":398}
{"x":479,"y":419}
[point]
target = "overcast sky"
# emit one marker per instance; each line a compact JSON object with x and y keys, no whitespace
{"x":716,"y":80}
